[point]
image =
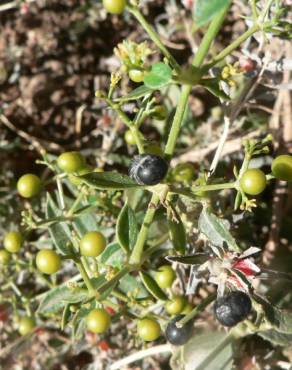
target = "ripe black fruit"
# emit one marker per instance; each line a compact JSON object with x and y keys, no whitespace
{"x":148,"y":169}
{"x":178,"y":336}
{"x":232,"y":308}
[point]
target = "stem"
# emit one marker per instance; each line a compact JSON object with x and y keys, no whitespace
{"x":128,"y":123}
{"x":75,"y":204}
{"x":136,"y":256}
{"x":124,"y":271}
{"x":234,"y":45}
{"x":92,"y":291}
{"x":154,"y":36}
{"x":177,"y":120}
{"x":214,"y":187}
{"x":209,"y":37}
{"x":200,"y":307}
{"x":141,"y":354}
{"x":186,"y":89}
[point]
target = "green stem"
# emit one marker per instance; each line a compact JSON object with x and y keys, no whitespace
{"x":137,"y":252}
{"x":200,"y":307}
{"x":128,"y":123}
{"x":209,"y":37}
{"x":124,"y":271}
{"x":234,"y":45}
{"x":92,"y":291}
{"x":75,"y":204}
{"x":177,"y":120}
{"x":136,"y":256}
{"x":154,"y":36}
{"x":214,"y":187}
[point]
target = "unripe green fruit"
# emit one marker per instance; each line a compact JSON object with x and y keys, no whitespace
{"x":92,"y":244}
{"x":98,"y":321}
{"x":130,"y":138}
{"x":282,"y":167}
{"x":114,"y":6}
{"x":253,"y":181}
{"x":184,"y":172}
{"x":13,"y":241}
{"x":176,"y":305}
{"x":48,"y":261}
{"x":165,"y":276}
{"x":4,"y":257}
{"x":148,"y":329}
{"x":29,"y":185}
{"x":71,"y":162}
{"x":26,"y":325}
{"x":136,"y":75}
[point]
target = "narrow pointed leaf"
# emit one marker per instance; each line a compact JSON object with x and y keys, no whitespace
{"x":152,"y":287}
{"x":109,"y":181}
{"x":127,"y":228}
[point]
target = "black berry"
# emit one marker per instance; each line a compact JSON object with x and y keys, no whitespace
{"x":148,"y":169}
{"x":178,"y":336}
{"x":232,"y":308}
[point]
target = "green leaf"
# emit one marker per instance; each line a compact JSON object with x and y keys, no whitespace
{"x":212,"y":85}
{"x":216,"y":230}
{"x":138,"y":93}
{"x":152,"y":287}
{"x":127,"y":228}
{"x":205,"y":351}
{"x":159,"y":76}
{"x":177,"y":232}
{"x":196,"y":259}
{"x":65,"y":316}
{"x":57,"y":298}
{"x":113,"y":255}
{"x":109,"y":180}
{"x":205,"y":10}
{"x":59,"y":231}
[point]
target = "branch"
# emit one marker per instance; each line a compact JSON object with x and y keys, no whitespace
{"x":139,"y":355}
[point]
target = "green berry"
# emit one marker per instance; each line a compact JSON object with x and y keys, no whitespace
{"x":253,"y":181}
{"x":29,"y":185}
{"x":92,"y":244}
{"x":114,"y":6}
{"x":175,"y":305}
{"x":26,"y":325}
{"x":184,"y":172}
{"x":136,"y":75}
{"x":4,"y":257}
{"x":71,"y":162}
{"x":148,"y":329}
{"x":48,"y":261}
{"x":165,"y":276}
{"x":98,"y":321}
{"x":13,"y":241}
{"x":130,"y":138}
{"x":282,"y":167}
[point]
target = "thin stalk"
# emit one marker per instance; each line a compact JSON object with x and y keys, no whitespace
{"x":200,"y":307}
{"x":124,"y":271}
{"x":154,"y":36}
{"x":137,"y":252}
{"x":136,"y":256}
{"x":214,"y":187}
{"x":92,"y":291}
{"x":123,"y":116}
{"x":75,"y":204}
{"x":234,"y":45}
